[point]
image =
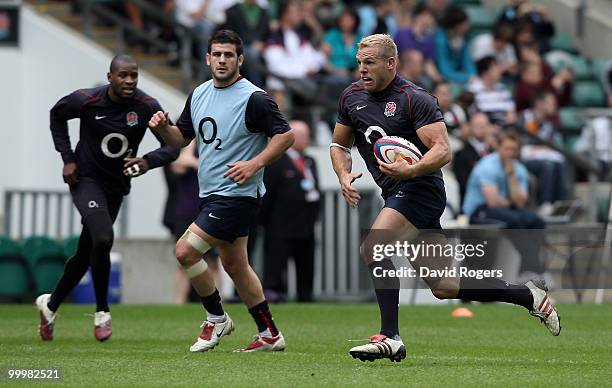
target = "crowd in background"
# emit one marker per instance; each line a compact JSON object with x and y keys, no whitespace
{"x":303,"y":52}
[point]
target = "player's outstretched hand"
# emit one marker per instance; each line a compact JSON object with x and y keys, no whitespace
{"x":70,"y":173}
{"x":400,"y":169}
{"x":351,"y":194}
{"x":241,"y":171}
{"x":135,"y":166}
{"x":159,"y":120}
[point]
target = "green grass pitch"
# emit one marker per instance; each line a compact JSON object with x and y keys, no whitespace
{"x":501,"y":346}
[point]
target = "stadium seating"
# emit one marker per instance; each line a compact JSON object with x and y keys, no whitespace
{"x":569,"y":120}
{"x":580,"y":65}
{"x":598,"y":67}
{"x":562,"y":41}
{"x":571,"y":126}
{"x":14,"y":278}
{"x":588,"y":94}
{"x":46,"y":259}
{"x":481,"y":19}
{"x":32,"y":266}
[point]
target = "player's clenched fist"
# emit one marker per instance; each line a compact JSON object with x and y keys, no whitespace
{"x":159,"y":120}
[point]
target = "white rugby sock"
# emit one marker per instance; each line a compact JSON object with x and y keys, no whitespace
{"x":215,"y":318}
{"x":266,"y":333}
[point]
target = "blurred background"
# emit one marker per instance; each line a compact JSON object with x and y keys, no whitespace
{"x":542,"y":68}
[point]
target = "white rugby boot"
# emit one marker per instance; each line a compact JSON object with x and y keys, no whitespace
{"x":543,"y":307}
{"x":380,"y":346}
{"x":211,"y":334}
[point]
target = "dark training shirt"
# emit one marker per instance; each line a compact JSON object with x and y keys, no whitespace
{"x":398,"y":110}
{"x":109,"y":132}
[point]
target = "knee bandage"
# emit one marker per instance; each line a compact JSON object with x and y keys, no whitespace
{"x":196,"y":269}
{"x":197,"y":242}
{"x":200,"y":245}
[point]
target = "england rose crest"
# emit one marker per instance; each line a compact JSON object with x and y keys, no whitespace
{"x":132,"y":119}
{"x":390,"y":109}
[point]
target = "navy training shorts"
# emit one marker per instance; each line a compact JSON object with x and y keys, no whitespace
{"x":422,"y":201}
{"x":227,"y":218}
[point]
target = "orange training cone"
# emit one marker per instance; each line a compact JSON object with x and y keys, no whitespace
{"x":462,"y":312}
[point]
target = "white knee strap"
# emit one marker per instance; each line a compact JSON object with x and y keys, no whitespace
{"x":197,"y":242}
{"x":196,"y":269}
{"x":200,"y":245}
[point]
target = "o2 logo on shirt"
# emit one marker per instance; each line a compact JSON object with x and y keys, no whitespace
{"x":208,"y":133}
{"x":119,"y":137}
{"x":371,"y":130}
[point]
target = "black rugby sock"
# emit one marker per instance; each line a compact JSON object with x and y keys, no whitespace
{"x":101,"y":231}
{"x":263,"y":318}
{"x":212,"y":303}
{"x":495,"y":290}
{"x":74,"y":270}
{"x":387,"y":295}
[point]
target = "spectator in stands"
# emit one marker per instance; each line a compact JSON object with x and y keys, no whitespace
{"x":546,"y":164}
{"x":497,"y":193}
{"x":498,"y":45}
{"x":311,"y":26}
{"x":509,"y":12}
{"x":492,"y":97}
{"x":328,"y":11}
{"x":289,"y":211}
{"x":167,"y":32}
{"x":412,"y":67}
{"x":521,"y":11}
{"x":524,"y":38}
{"x":601,"y":128}
{"x":455,"y":116}
{"x":420,"y":35}
{"x":536,"y":75}
{"x":252,"y":23}
{"x":438,"y":7}
{"x":290,"y":54}
{"x":134,"y":13}
{"x":203,"y":15}
{"x":404,"y":14}
{"x":378,"y":18}
{"x":137,"y":18}
{"x":341,"y":43}
{"x":479,"y":143}
{"x":465,"y":100}
{"x":385,"y":16}
{"x":452,"y":53}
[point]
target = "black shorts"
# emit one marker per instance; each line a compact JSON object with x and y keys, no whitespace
{"x":227,"y":218}
{"x":422,"y":201}
{"x":89,"y":197}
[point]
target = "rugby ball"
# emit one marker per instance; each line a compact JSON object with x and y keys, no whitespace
{"x":386,"y":146}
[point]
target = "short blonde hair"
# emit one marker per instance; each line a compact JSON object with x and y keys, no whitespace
{"x":386,"y":46}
